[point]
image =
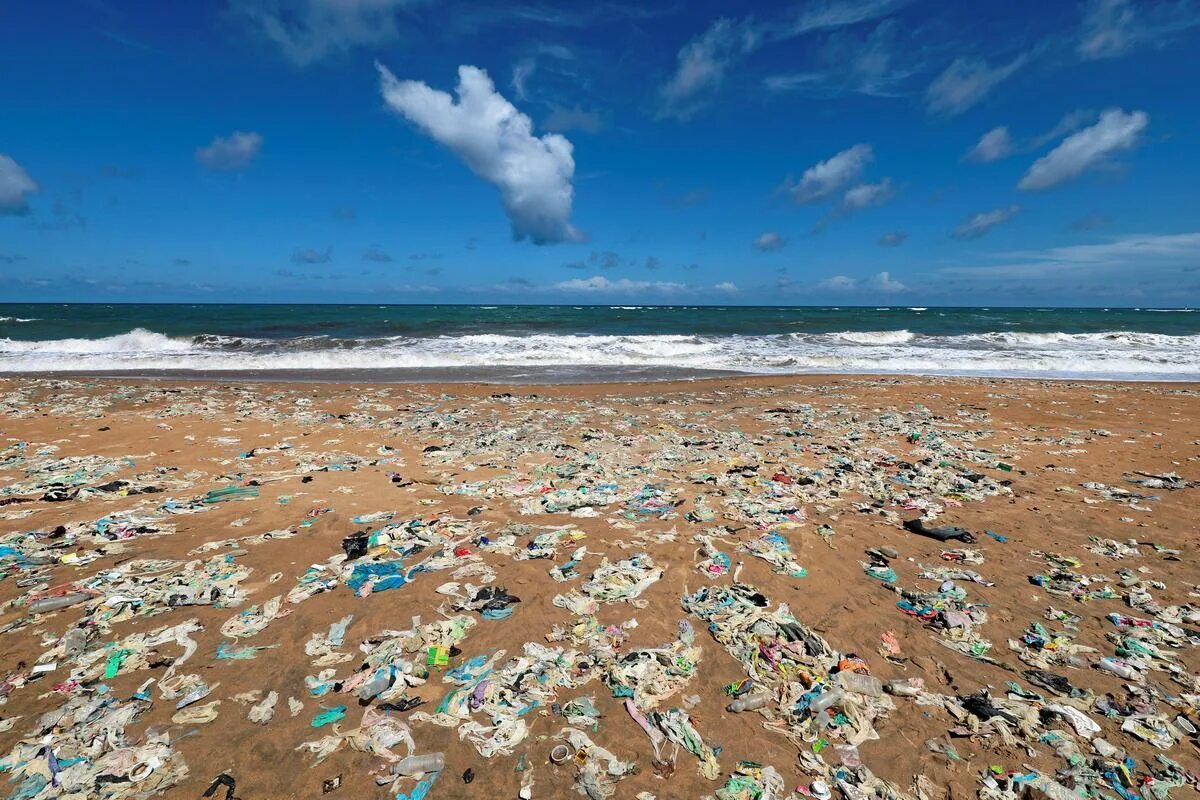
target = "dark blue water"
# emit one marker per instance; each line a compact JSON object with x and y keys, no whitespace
{"x":1127,"y":343}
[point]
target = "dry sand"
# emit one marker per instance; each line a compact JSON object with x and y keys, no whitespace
{"x":1054,"y":434}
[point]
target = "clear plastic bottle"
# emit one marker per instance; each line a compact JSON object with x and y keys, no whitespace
{"x":749,"y":703}
{"x":860,"y":684}
{"x":1118,"y":667}
{"x":415,"y":765}
{"x":46,"y":604}
{"x":828,"y":700}
{"x":378,"y":684}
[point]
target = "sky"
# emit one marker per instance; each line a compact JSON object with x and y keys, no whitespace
{"x":827,"y":152}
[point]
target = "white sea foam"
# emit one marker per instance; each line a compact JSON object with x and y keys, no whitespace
{"x":1107,"y":354}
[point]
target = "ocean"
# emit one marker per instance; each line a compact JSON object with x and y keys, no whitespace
{"x":581,"y":343}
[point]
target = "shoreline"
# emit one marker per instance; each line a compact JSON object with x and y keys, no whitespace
{"x":585,"y":376}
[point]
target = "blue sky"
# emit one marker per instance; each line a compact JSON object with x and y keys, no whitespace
{"x":834,"y":152}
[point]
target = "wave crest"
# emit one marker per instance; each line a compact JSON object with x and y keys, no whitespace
{"x":1105,"y":354}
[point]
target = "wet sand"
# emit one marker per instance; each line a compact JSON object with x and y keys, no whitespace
{"x":446,"y":451}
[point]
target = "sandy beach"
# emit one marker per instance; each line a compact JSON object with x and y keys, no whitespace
{"x":112,"y":486}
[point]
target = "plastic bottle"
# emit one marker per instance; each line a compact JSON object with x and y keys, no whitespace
{"x":415,"y":765}
{"x":860,"y":684}
{"x":45,"y":604}
{"x":379,"y":683}
{"x":1118,"y":667}
{"x":827,"y":700}
{"x":904,"y":688}
{"x":749,"y":703}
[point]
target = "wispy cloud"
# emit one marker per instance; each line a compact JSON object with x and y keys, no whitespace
{"x":561,"y":120}
{"x":600,"y":259}
{"x":15,"y":187}
{"x":311,"y":256}
{"x":1144,"y":255}
{"x":992,"y":146}
{"x":306,"y":31}
{"x":1090,"y":222}
{"x":231,"y":153}
{"x":598,"y":284}
{"x":691,"y":197}
{"x":496,"y":141}
{"x":377,"y":254}
{"x":965,"y":82}
{"x":850,"y":64}
{"x":893,"y":239}
{"x":522,"y":71}
{"x":1086,"y":149}
{"x":980,"y":224}
{"x":1113,"y":28}
{"x":703,"y":63}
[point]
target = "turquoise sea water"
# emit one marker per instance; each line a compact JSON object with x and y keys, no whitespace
{"x":637,"y":341}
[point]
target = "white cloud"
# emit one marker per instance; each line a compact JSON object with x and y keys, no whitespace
{"x":534,"y":174}
{"x":879,"y":282}
{"x":1142,"y":252}
{"x":893,"y":238}
{"x":703,"y":62}
{"x":965,"y":82}
{"x":231,"y":153}
{"x":992,"y":146}
{"x":726,"y":286}
{"x":599,"y":283}
{"x":306,"y":31}
{"x":866,"y":195}
{"x":769,"y":240}
{"x":839,"y":283}
{"x":826,"y":177}
{"x":15,"y":187}
{"x":979,"y":224}
{"x":883,"y":282}
{"x":1086,"y":149}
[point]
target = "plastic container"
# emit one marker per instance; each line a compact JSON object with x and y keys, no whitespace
{"x":416,"y":765}
{"x":910,"y":687}
{"x":1118,"y":667}
{"x":828,"y":700}
{"x":860,"y":684}
{"x":379,"y":683}
{"x":749,"y":703}
{"x":46,"y":604}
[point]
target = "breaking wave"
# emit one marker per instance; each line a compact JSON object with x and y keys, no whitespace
{"x":1108,"y":354}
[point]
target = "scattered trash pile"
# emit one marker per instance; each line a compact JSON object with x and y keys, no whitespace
{"x":400,"y":593}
